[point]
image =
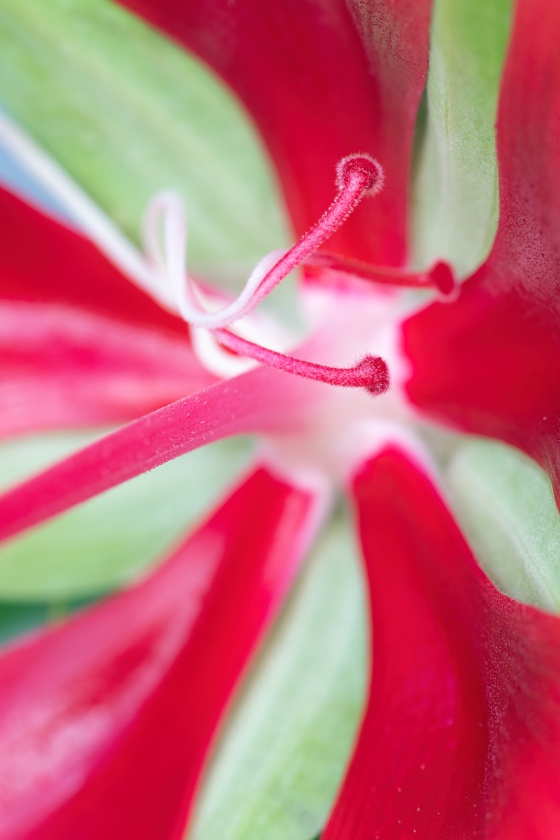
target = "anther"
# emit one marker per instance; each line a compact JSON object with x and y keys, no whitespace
{"x":443,"y":279}
{"x":371,"y":372}
{"x":364,"y":169}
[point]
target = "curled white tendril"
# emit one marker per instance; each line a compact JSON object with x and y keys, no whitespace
{"x":165,"y":241}
{"x":165,"y":234}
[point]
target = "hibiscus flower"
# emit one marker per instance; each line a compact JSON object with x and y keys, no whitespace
{"x":106,"y":720}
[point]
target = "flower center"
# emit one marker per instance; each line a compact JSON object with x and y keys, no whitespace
{"x":357,"y":176}
{"x":338,"y":428}
{"x":355,"y":315}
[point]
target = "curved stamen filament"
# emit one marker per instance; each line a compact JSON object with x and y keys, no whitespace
{"x":357,"y":176}
{"x":370,"y":373}
{"x":440,"y":276}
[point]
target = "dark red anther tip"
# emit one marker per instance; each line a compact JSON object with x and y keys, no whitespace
{"x":366,"y":167}
{"x":443,"y":278}
{"x":375,"y":374}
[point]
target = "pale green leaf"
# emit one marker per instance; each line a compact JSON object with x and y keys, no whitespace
{"x":128,"y":113}
{"x":506,"y":507}
{"x":112,"y":538}
{"x":456,"y":205}
{"x":283,"y":752}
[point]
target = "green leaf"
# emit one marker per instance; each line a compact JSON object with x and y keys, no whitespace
{"x":506,"y":507}
{"x":128,"y":113}
{"x":112,"y":538}
{"x":456,"y":201}
{"x":283,"y":752}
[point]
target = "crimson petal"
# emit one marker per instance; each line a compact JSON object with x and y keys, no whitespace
{"x":461,"y":734}
{"x":490,"y":363}
{"x":105,"y":721}
{"x":41,"y":260}
{"x":256,"y":401}
{"x":62,"y":367}
{"x":322,"y":79}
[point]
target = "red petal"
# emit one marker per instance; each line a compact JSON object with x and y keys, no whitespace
{"x":528,"y":239}
{"x":106,"y":720}
{"x":461,"y":736}
{"x":261,"y":400}
{"x":63,"y":367}
{"x":321,"y":84}
{"x":43,"y":261}
{"x":490,"y":363}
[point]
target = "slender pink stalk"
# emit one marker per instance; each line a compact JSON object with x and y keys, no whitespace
{"x":370,"y":373}
{"x":440,"y":276}
{"x":357,"y":176}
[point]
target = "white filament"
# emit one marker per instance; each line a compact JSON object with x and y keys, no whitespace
{"x":166,"y":218}
{"x":215,"y":359}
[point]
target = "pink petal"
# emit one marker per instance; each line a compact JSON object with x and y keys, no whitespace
{"x":261,"y":400}
{"x":461,"y":737}
{"x":43,"y":261}
{"x":106,"y":720}
{"x":63,"y":367}
{"x":322,"y":79}
{"x":490,"y":363}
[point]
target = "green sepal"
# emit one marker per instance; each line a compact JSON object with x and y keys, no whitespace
{"x":285,"y":746}
{"x":455,"y":209}
{"x":505,"y":505}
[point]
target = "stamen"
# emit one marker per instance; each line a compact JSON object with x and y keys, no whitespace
{"x":365,"y":169}
{"x":444,"y":279}
{"x":439,"y":277}
{"x":370,"y":373}
{"x":357,"y":176}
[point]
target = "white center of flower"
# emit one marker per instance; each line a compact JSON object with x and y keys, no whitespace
{"x":342,"y":427}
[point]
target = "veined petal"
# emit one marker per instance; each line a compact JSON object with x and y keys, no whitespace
{"x":260,"y":400}
{"x":490,"y":362}
{"x":84,"y":750}
{"x":62,"y":367}
{"x":461,"y":734}
{"x":322,"y":80}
